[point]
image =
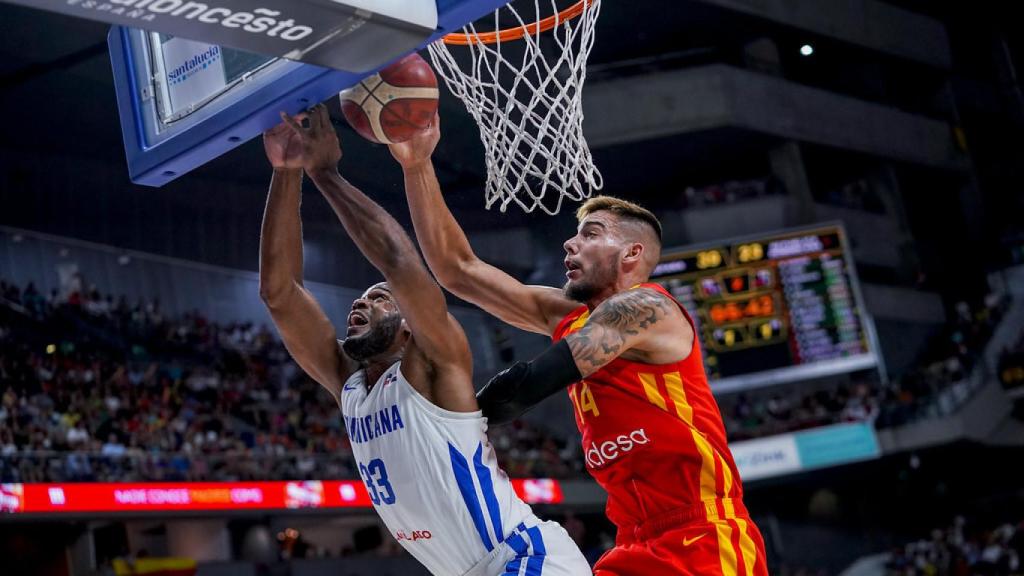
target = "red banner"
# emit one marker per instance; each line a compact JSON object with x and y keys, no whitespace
{"x":208,"y":496}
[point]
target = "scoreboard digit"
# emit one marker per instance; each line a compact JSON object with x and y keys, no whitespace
{"x":767,"y":305}
{"x":749,"y":252}
{"x":709,"y":259}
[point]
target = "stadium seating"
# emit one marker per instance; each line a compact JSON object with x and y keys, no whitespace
{"x":100,"y":389}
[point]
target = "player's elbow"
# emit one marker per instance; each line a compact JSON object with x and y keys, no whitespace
{"x":275,"y":294}
{"x":270,"y":298}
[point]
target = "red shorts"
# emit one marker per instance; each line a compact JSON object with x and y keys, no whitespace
{"x":725,"y":547}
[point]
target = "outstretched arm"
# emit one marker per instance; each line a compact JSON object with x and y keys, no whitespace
{"x":452,"y":260}
{"x":386,"y":245}
{"x":642,"y":322}
{"x":305,"y":329}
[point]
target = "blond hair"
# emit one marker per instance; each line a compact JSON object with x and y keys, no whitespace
{"x":621,"y":208}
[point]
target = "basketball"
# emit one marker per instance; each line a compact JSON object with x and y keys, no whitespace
{"x":392,"y":105}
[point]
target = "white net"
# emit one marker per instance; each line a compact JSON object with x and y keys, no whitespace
{"x":526,"y":96}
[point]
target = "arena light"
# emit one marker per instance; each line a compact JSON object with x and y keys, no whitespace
{"x":806,"y":50}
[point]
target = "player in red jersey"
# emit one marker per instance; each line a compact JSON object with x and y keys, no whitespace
{"x":653,"y":436}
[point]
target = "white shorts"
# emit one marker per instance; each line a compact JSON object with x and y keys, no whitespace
{"x":535,"y":548}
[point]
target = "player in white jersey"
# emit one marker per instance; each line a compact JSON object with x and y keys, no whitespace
{"x":403,"y":378}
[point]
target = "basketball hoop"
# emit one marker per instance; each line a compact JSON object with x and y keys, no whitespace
{"x":517,"y":32}
{"x":529,"y":106}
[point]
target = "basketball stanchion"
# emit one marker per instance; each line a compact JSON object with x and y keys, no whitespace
{"x":195,"y":80}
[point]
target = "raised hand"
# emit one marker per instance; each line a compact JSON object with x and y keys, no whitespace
{"x":318,"y":141}
{"x":283,"y":146}
{"x":417,"y":150}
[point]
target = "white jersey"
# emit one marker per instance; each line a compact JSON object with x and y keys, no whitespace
{"x":434,"y":479}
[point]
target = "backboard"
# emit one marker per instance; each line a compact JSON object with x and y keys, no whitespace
{"x":184,"y":102}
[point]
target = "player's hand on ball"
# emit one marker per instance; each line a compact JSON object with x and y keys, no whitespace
{"x":283,"y":146}
{"x":320,"y":148}
{"x":417,"y":150}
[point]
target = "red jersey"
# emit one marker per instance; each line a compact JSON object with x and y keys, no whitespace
{"x":653,"y":437}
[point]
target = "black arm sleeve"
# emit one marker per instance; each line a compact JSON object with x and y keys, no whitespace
{"x":524,"y":384}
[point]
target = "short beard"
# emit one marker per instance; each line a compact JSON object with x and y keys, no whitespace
{"x":587,"y":290}
{"x":580,"y":292}
{"x":376,"y":341}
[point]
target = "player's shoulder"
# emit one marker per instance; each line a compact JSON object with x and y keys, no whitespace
{"x":638,"y":300}
{"x":642,"y":307}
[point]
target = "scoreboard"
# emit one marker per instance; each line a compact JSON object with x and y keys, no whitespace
{"x":774,"y":308}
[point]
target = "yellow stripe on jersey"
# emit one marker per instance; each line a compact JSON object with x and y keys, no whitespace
{"x":651,"y":388}
{"x":578,"y":323}
{"x":729,"y":508}
{"x":726,"y":553}
{"x":747,"y":548}
{"x":707,"y":473}
{"x":674,"y":385}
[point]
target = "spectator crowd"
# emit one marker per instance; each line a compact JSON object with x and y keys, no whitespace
{"x":97,"y":388}
{"x":931,"y":389}
{"x":1011,"y":364}
{"x":962,"y":550}
{"x":732,"y":192}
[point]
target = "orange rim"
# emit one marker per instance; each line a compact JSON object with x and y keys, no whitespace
{"x":509,"y":34}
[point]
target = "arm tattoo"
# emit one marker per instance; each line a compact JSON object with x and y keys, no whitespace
{"x":612,"y":324}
